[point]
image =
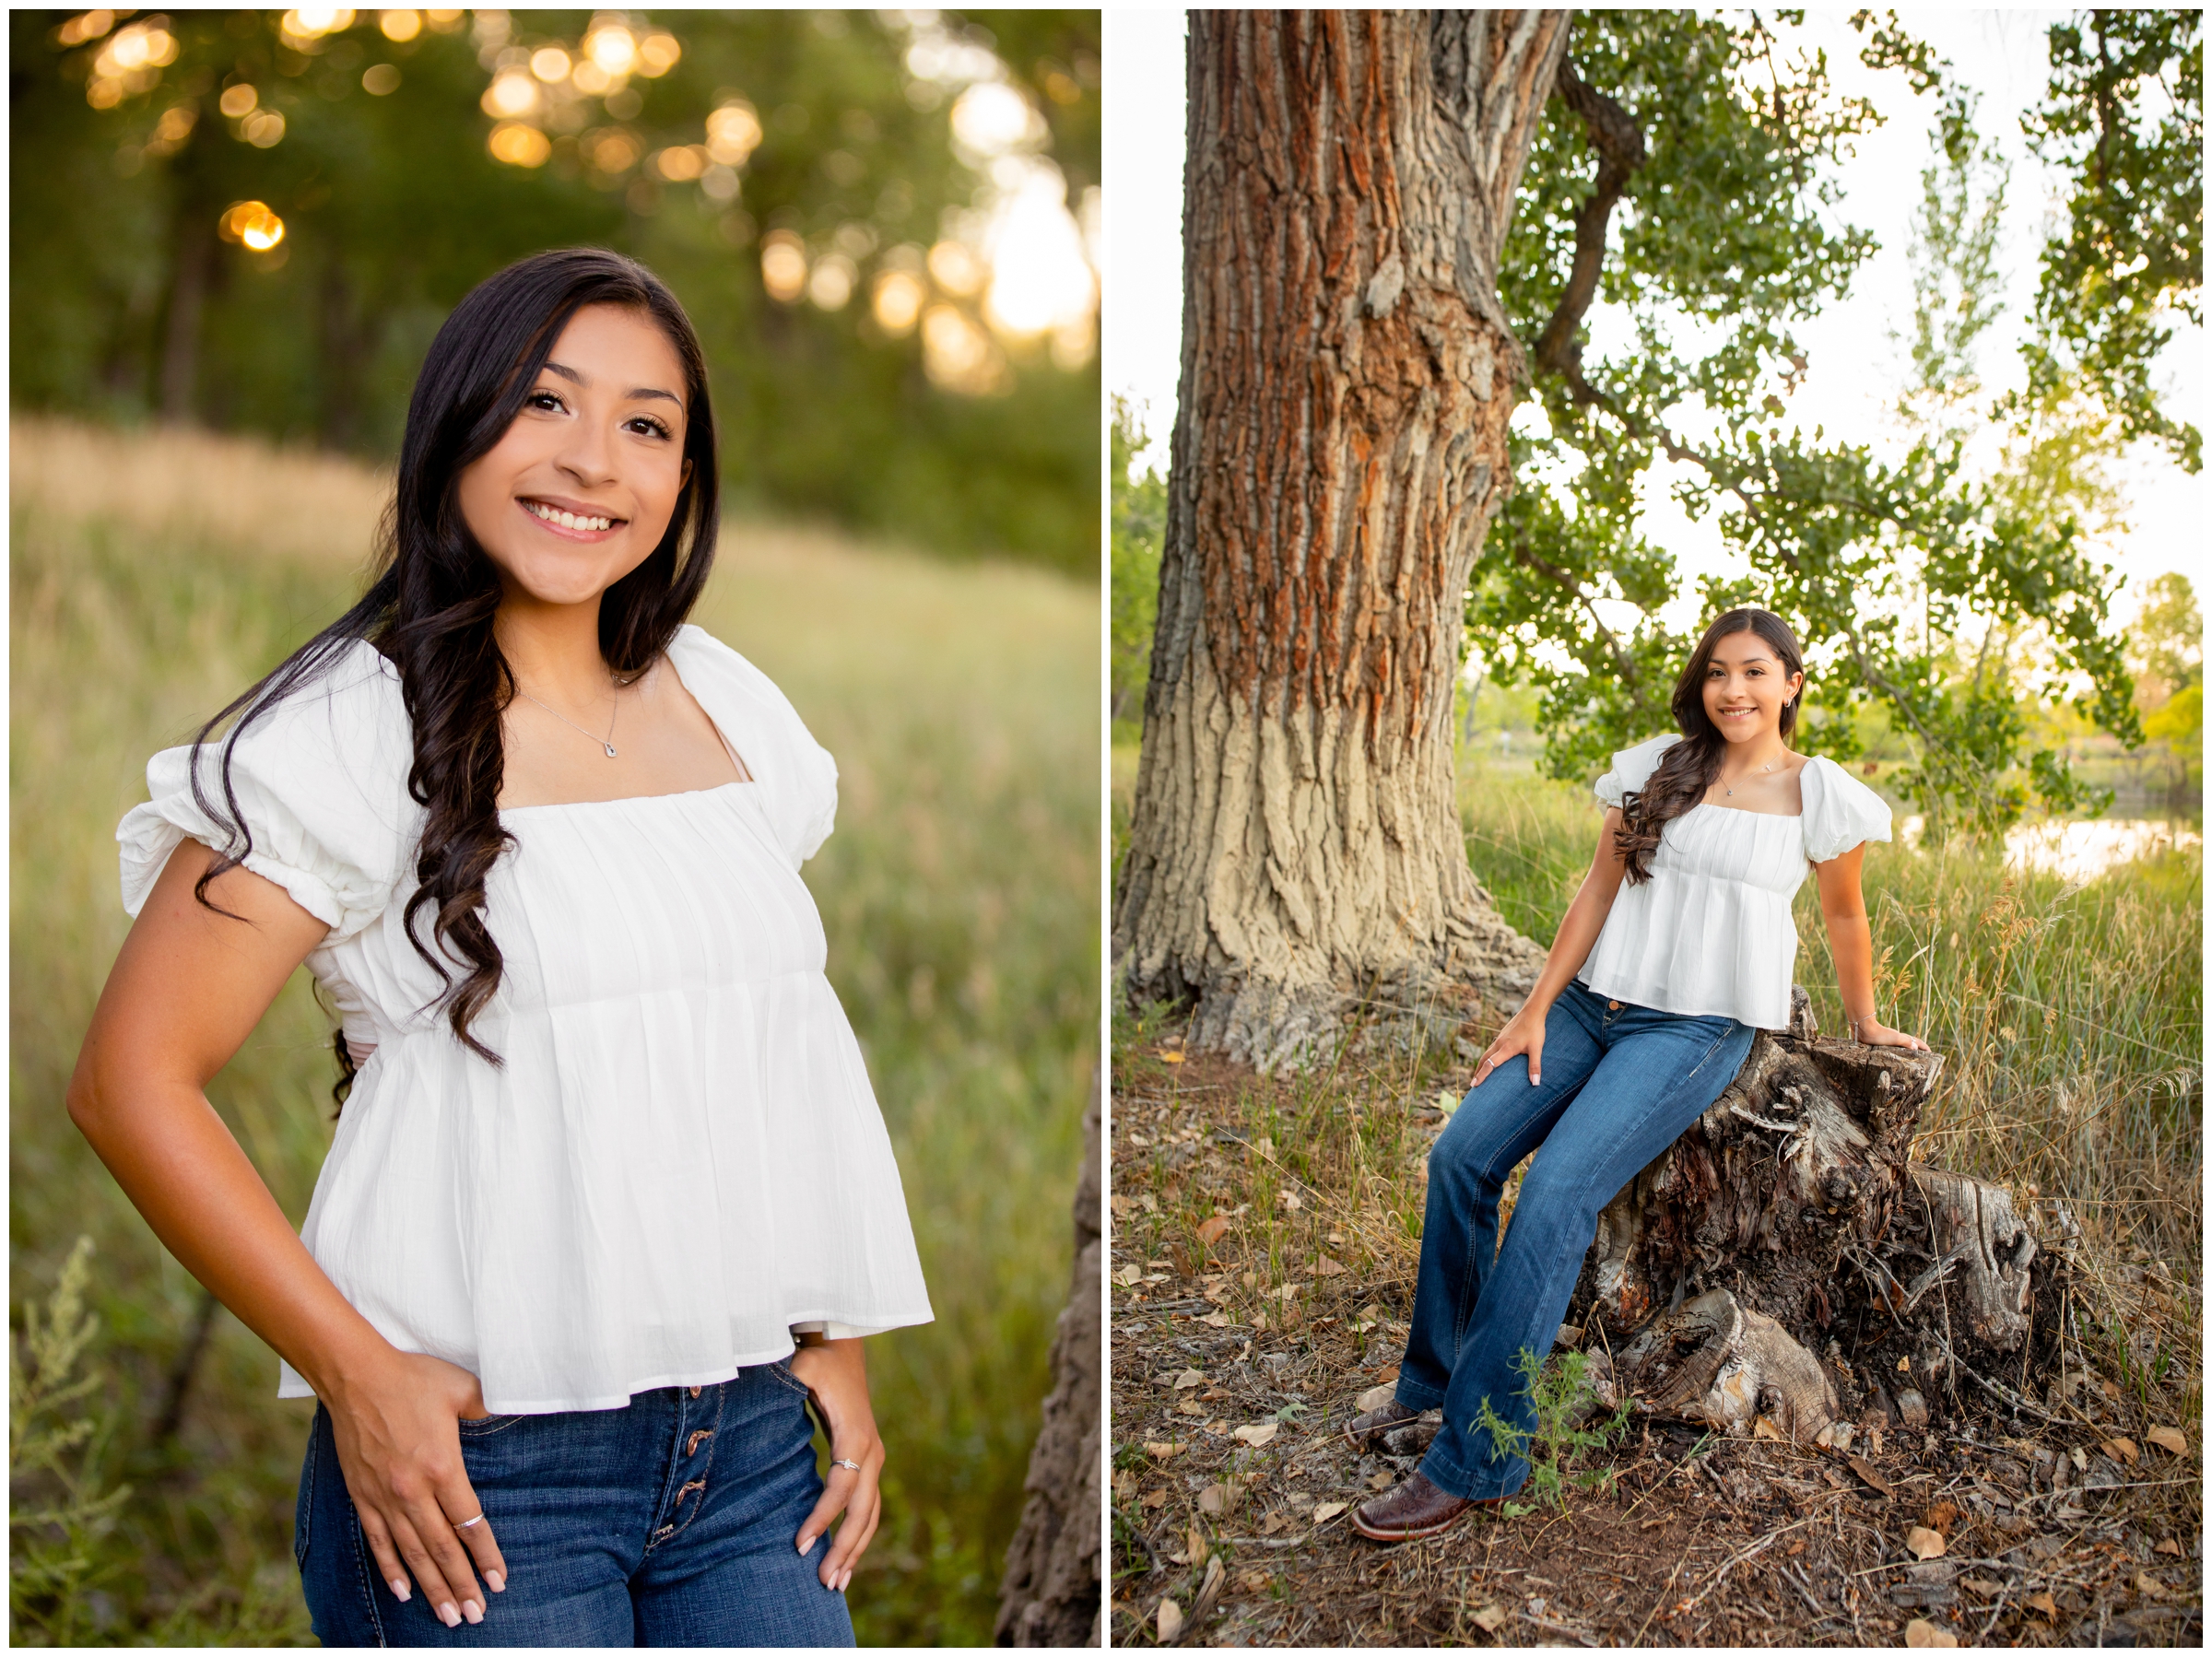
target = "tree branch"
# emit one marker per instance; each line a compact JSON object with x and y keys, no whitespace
{"x":1620,"y":146}
{"x":1560,"y":578}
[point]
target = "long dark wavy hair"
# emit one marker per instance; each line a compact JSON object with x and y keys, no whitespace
{"x":1687,"y":768}
{"x":430,"y":604}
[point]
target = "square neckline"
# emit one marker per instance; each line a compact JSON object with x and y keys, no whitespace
{"x":747,"y":777}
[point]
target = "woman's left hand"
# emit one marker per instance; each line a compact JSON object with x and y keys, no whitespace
{"x":836,"y":1375}
{"x":1874,"y":1034}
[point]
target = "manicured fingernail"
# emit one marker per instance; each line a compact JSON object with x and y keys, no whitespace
{"x":448,"y":1616}
{"x":471,"y":1610}
{"x":497,"y":1580}
{"x":807,"y":1545}
{"x":843,"y":1578}
{"x":399,"y":1590}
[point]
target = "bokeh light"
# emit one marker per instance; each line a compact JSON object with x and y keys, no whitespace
{"x":251,"y":224}
{"x":783,"y":266}
{"x":263,"y":129}
{"x":959,"y":356}
{"x":238,"y":101}
{"x":308,"y":24}
{"x":519,"y":144}
{"x":87,"y":26}
{"x":550,"y":65}
{"x":612,"y":48}
{"x":830,"y":286}
{"x":680,"y":163}
{"x":657,"y":54}
{"x":130,"y":61}
{"x":399,"y":25}
{"x":513,"y":93}
{"x":380,"y":80}
{"x":733,"y":132}
{"x":899,"y":299}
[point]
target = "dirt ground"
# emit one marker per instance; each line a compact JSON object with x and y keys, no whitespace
{"x":1262,"y":1270}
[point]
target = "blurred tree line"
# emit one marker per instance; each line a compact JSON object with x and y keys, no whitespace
{"x":254,"y":220}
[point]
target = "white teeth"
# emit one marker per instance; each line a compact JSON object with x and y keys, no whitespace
{"x":567,"y":520}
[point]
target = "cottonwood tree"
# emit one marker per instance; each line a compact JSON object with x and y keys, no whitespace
{"x":1395,"y":227}
{"x":1340,"y":447}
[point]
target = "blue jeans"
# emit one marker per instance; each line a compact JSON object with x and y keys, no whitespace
{"x":1621,"y":1083}
{"x":671,"y":1521}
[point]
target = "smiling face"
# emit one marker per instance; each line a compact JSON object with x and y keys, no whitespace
{"x":1745,"y":686}
{"x":581,"y":487}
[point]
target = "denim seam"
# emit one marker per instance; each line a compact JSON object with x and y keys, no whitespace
{"x":486,"y":1425}
{"x":368,"y":1579}
{"x":699,"y":1506}
{"x":781,"y":1369}
{"x":303,"y":1511}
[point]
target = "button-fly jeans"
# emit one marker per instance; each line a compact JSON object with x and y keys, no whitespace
{"x":673,"y":1522}
{"x":1621,"y":1083}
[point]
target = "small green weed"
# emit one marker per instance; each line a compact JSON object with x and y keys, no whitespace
{"x":1561,"y":1392}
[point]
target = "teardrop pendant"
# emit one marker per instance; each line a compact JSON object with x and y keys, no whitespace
{"x":610,"y":750}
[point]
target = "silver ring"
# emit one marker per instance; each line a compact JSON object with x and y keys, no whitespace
{"x":466,"y":1523}
{"x":840,"y":1461}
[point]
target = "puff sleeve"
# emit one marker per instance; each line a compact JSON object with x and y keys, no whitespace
{"x":796,"y":774}
{"x":320,"y":781}
{"x":1632,"y":768}
{"x":1841,"y":812}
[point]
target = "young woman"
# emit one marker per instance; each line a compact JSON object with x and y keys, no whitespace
{"x":1677,"y":948}
{"x":609,"y":1150}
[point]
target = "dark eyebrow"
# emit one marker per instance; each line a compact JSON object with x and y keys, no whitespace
{"x":574,"y":378}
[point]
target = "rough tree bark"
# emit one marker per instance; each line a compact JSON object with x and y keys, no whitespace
{"x":1340,"y":450}
{"x":1051,"y":1594}
{"x":1787,"y":1257}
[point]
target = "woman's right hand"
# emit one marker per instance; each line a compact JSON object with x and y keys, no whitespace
{"x":399,"y":1446}
{"x":1524,"y":1033}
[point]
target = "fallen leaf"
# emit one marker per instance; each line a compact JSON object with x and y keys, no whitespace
{"x":1218,"y":1320}
{"x":1171,"y":1057}
{"x":2045,"y":1604}
{"x":1196,"y":1546}
{"x":1129,"y":1277}
{"x":1979,"y":1586}
{"x":1374,"y":1398}
{"x":1865,"y":1469}
{"x":2147,"y":1583}
{"x":1210,"y":1231}
{"x":1941,"y":1516}
{"x":1189,"y":1379}
{"x":1150,"y":1203}
{"x":1121,"y":1205}
{"x":1382,"y":1481}
{"x":1259,"y":1435}
{"x":1925,"y":1544}
{"x":2122,"y":1450}
{"x":1274,"y":1522}
{"x":1214,"y":1498}
{"x":1489,"y":1618}
{"x":1156,"y":1499}
{"x":1124,"y":1488}
{"x":1764,"y":1429}
{"x":2168,"y":1546}
{"x":1904,"y":1366}
{"x":1325,"y":1267}
{"x":1921,"y":1632}
{"x":1329,"y":1510}
{"x":2168,"y":1438}
{"x":1190,"y":1407}
{"x":1170,"y":1620}
{"x":1293,"y":1201}
{"x":1253,"y":1581}
{"x":1163,"y":1453}
{"x":1387,"y":1376}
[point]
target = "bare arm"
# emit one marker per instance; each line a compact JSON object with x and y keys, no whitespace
{"x":1851,"y":942}
{"x":186,"y":989}
{"x":1585,"y":918}
{"x":836,"y":1373}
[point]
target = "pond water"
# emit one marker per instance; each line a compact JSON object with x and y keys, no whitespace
{"x":2079,"y":850}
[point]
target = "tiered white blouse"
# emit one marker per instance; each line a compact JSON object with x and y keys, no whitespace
{"x":681,"y":1157}
{"x":1710,"y":931}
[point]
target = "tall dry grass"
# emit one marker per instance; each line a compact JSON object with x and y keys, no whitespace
{"x":154,"y":575}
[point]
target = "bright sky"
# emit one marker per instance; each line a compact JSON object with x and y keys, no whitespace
{"x":1855,"y":365}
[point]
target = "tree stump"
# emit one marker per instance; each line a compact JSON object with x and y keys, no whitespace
{"x":1791,"y":1221}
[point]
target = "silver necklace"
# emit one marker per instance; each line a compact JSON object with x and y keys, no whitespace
{"x":1725,"y":788}
{"x":606,"y":742}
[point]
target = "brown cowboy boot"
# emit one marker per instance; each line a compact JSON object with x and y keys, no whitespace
{"x":1412,"y":1509}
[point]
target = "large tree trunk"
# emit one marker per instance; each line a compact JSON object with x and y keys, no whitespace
{"x":1051,"y":1594}
{"x":1787,"y":1258}
{"x":1340,"y":450}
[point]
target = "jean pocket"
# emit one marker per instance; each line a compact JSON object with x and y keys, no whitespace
{"x":781,"y":1369}
{"x":483,"y":1426}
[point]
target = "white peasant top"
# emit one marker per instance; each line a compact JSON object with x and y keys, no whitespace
{"x":1710,"y":931}
{"x":681,"y":1158}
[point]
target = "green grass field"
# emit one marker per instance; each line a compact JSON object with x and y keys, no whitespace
{"x":154,"y":576}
